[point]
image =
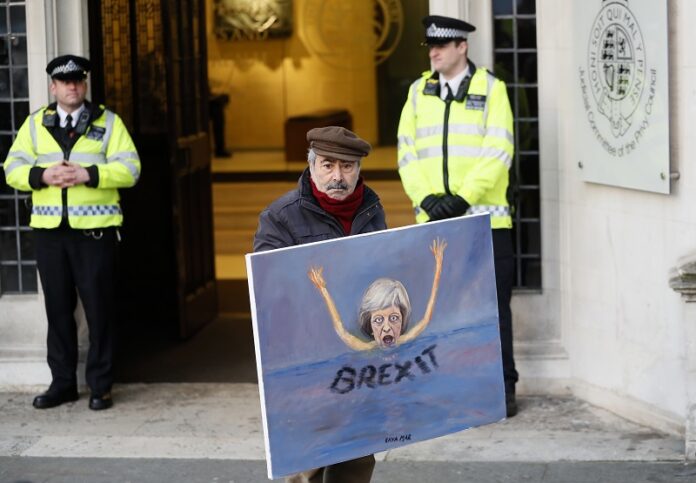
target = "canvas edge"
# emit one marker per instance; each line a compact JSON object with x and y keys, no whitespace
{"x":259,"y":369}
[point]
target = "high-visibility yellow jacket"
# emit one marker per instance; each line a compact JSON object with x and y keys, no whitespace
{"x":464,"y":147}
{"x":104,"y":147}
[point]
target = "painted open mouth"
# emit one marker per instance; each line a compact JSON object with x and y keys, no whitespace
{"x":388,"y":340}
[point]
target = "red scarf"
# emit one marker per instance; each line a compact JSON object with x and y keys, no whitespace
{"x":344,"y":210}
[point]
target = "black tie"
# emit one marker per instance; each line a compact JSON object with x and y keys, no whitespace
{"x":449,"y":96}
{"x":68,"y":125}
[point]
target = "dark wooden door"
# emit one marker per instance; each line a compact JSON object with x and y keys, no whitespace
{"x":150,"y":65}
{"x":187,"y":90}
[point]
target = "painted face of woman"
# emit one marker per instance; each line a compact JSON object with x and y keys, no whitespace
{"x":386,"y":325}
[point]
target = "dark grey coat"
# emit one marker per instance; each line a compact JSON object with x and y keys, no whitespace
{"x":296,"y":218}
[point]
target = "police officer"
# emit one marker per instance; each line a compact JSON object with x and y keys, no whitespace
{"x":74,"y":156}
{"x":455,"y":148}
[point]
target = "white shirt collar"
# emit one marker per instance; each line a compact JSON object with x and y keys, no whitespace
{"x":453,"y":82}
{"x":75,"y":115}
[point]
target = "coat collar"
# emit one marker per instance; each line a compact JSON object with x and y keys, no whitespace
{"x":432,"y":84}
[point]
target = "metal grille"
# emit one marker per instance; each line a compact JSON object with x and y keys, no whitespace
{"x":17,"y":258}
{"x":117,"y":58}
{"x":515,"y":52}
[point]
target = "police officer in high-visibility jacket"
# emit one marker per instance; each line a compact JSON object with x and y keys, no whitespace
{"x":455,"y":148}
{"x":74,"y":156}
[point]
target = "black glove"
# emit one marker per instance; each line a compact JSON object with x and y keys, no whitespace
{"x":432,"y":204}
{"x":429,"y":203}
{"x":454,"y":205}
{"x":439,"y":211}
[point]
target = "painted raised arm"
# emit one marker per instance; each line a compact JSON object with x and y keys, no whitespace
{"x":438,"y":250}
{"x":316,"y":275}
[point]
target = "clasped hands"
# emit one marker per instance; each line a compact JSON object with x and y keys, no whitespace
{"x":65,"y":174}
{"x":444,"y":206}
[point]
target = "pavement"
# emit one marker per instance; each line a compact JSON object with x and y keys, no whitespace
{"x":209,"y":432}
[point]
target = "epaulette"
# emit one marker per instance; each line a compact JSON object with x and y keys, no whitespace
{"x":50,"y":116}
{"x":490,"y":73}
{"x":432,"y":85}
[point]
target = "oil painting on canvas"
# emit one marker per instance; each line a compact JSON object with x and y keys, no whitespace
{"x":371,"y":342}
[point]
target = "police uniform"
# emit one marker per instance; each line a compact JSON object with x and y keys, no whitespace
{"x":455,"y":149}
{"x":75,"y":228}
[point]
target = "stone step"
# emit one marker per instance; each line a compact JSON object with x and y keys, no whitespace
{"x":233,"y":222}
{"x":236,"y":207}
{"x":224,"y":421}
{"x":234,"y":241}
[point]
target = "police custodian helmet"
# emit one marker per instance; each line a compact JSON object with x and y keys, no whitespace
{"x":441,"y":30}
{"x":68,"y":67}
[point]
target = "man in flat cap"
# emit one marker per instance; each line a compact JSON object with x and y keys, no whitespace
{"x":455,"y":149}
{"x":73,"y":156}
{"x":330,"y":201}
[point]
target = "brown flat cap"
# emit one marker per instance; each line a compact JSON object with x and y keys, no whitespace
{"x":338,"y":142}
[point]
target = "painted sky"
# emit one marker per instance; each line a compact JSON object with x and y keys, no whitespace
{"x":291,"y":312}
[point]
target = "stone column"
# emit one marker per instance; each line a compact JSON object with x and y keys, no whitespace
{"x":683,"y":280}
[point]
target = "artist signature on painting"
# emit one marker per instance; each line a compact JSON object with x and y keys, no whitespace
{"x":398,"y":439}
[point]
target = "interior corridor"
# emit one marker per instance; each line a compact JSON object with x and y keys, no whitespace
{"x":223,"y":351}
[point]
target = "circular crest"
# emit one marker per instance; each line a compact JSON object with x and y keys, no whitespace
{"x":616,"y":64}
{"x":329,"y":30}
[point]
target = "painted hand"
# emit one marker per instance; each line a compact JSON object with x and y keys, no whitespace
{"x":316,"y":275}
{"x":438,"y":249}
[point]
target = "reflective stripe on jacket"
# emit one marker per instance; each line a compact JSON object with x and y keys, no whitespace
{"x":106,"y":144}
{"x":463,"y":149}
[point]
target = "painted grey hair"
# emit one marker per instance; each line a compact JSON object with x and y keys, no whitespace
{"x":383,"y":293}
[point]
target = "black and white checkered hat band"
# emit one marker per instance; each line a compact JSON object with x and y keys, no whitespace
{"x":445,"y":33}
{"x":68,"y":68}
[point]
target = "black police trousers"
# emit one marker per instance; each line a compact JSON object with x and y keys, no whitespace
{"x":504,"y":280}
{"x":71,"y":262}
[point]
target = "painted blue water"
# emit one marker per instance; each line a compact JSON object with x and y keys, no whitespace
{"x":432,"y":386}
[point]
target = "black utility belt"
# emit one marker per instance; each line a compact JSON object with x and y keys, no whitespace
{"x":68,"y":228}
{"x":95,"y":233}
